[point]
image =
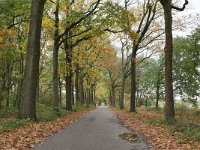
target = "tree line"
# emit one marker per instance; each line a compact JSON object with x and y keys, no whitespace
{"x":48,"y":47}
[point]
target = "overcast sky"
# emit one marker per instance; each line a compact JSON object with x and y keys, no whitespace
{"x":193,"y":8}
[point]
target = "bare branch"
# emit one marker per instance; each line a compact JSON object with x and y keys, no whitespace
{"x":87,"y":14}
{"x":68,"y":37}
{"x":52,"y":1}
{"x":87,"y":37}
{"x":14,"y":24}
{"x":113,"y":31}
{"x":183,"y":7}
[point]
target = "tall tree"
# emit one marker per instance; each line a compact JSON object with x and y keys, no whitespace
{"x":31,"y":75}
{"x":145,"y":22}
{"x":169,"y":101}
{"x":125,"y":62}
{"x":186,"y":62}
{"x":55,"y":58}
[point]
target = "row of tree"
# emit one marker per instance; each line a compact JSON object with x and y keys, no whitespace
{"x":141,"y":31}
{"x":150,"y":90}
{"x":70,"y":48}
{"x":55,"y":31}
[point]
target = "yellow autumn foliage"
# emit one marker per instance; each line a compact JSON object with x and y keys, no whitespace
{"x":7,"y":36}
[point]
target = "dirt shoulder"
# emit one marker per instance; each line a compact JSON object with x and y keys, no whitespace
{"x":158,"y":135}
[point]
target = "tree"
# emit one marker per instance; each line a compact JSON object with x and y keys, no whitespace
{"x":55,"y":58}
{"x":73,"y":34}
{"x":113,"y":74}
{"x":136,"y":27}
{"x":169,"y":101}
{"x":149,"y":81}
{"x":125,"y":71}
{"x":91,"y":58}
{"x":31,"y":75}
{"x":185,"y":69}
{"x":13,"y":34}
{"x":145,"y":22}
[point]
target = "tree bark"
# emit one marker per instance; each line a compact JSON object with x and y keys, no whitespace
{"x":133,"y":80}
{"x":121,"y":101}
{"x":157,"y":95}
{"x":110,"y":97}
{"x":113,"y":97}
{"x":20,"y":82}
{"x":81,"y":90}
{"x":31,"y":75}
{"x":73,"y":102}
{"x":55,"y":60}
{"x":68,"y":79}
{"x":8,"y":84}
{"x":77,"y":85}
{"x":94,"y":96}
{"x":1,"y":98}
{"x":169,"y":101}
{"x":157,"y":91}
{"x":60,"y":91}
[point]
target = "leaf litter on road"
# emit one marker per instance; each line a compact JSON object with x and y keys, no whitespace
{"x":29,"y":135}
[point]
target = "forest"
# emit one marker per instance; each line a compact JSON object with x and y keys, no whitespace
{"x":61,"y":59}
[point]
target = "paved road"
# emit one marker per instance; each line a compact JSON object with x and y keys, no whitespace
{"x":98,"y":130}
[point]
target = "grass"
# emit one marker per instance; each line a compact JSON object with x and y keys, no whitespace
{"x":153,"y":121}
{"x":186,"y":126}
{"x":7,"y":112}
{"x":185,"y":131}
{"x":44,"y":113}
{"x":10,"y":124}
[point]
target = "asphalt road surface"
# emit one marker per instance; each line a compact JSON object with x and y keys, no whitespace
{"x":98,"y":130}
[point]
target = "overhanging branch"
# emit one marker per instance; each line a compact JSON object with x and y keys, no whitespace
{"x":183,"y":7}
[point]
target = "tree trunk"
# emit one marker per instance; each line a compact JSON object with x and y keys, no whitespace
{"x":94,"y":96}
{"x":38,"y":90}
{"x":8,"y":98}
{"x":110,"y":97}
{"x":121,"y":101}
{"x":77,"y":84}
{"x":1,"y":98}
{"x":89,"y":100}
{"x":85,"y":98}
{"x":91,"y":95}
{"x":8,"y":84}
{"x":31,"y":75}
{"x":73,"y":102}
{"x":60,"y":91}
{"x":19,"y":87}
{"x":133,"y":80}
{"x":81,"y":91}
{"x":157,"y":91}
{"x":55,"y":60}
{"x":2,"y":87}
{"x":113,"y":96}
{"x":68,"y":50}
{"x":169,"y":101}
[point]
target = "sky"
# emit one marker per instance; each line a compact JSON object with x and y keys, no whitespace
{"x":193,"y":8}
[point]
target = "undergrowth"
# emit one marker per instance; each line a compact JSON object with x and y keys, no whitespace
{"x":8,"y":125}
{"x":186,"y":126}
{"x":9,"y":119}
